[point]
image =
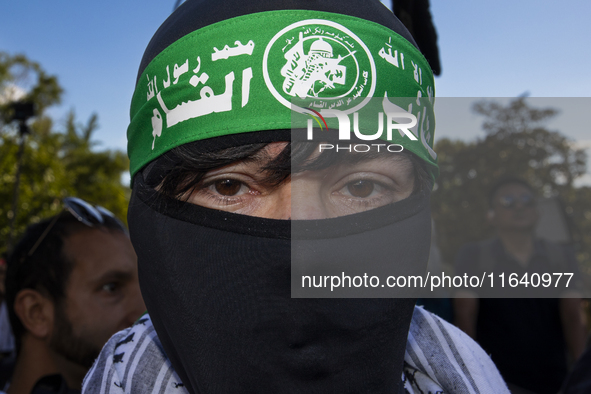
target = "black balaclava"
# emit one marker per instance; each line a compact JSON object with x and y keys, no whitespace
{"x":217,"y":284}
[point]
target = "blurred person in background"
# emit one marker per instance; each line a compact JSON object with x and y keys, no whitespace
{"x":71,"y":283}
{"x":527,"y":338}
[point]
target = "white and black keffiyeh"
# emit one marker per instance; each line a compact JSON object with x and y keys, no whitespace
{"x":439,"y":359}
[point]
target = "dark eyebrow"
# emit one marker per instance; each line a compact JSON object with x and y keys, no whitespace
{"x":113,"y":276}
{"x":181,"y":170}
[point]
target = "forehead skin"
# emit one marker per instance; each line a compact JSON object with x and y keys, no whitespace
{"x":96,"y":252}
{"x":102,"y":292}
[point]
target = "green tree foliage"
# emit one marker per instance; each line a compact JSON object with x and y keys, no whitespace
{"x":22,"y":79}
{"x":57,"y":161}
{"x":516,"y":144}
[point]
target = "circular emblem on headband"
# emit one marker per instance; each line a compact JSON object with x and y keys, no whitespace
{"x":319,"y":63}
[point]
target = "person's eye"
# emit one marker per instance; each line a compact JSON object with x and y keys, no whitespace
{"x":361,"y":191}
{"x":223,"y":192}
{"x":228,"y":187}
{"x":362,"y":188}
{"x":110,"y":287}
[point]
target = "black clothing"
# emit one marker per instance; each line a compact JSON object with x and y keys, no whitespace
{"x":194,"y":15}
{"x":579,"y":381}
{"x":217,"y":285}
{"x":416,"y":16}
{"x":524,"y":337}
{"x":52,"y":384}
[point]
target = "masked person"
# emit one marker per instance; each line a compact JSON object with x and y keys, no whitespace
{"x":216,"y":179}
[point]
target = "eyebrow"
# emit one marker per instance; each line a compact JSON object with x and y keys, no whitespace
{"x":113,"y":275}
{"x":181,"y":180}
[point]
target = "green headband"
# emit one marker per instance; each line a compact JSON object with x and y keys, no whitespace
{"x":242,"y":74}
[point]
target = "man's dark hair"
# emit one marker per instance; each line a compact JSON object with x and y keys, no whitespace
{"x":45,"y":268}
{"x":182,"y":168}
{"x":507,"y":181}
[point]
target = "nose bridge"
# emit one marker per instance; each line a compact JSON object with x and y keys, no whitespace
{"x":306,"y":203}
{"x":283,"y":203}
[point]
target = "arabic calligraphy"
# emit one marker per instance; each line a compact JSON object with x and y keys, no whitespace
{"x":227,"y":51}
{"x":417,"y":72}
{"x":321,"y":104}
{"x":152,"y":87}
{"x":386,"y":54}
{"x":167,"y":82}
{"x":430,"y":94}
{"x":207,"y":104}
{"x":246,"y":77}
{"x":156,"y":125}
{"x":195,"y":80}
{"x":178,"y":71}
{"x":392,"y":59}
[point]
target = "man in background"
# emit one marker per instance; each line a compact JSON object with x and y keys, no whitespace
{"x":527,"y":338}
{"x":71,"y":283}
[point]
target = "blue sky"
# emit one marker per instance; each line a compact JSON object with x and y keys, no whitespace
{"x":488,"y":49}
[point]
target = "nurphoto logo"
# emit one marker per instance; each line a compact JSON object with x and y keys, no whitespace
{"x":395,"y":121}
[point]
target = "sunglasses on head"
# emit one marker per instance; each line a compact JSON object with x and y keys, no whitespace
{"x":510,"y":201}
{"x":88,"y":214}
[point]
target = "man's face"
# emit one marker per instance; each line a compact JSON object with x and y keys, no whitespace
{"x":102,"y":294}
{"x":345,"y":188}
{"x":514,"y":207}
